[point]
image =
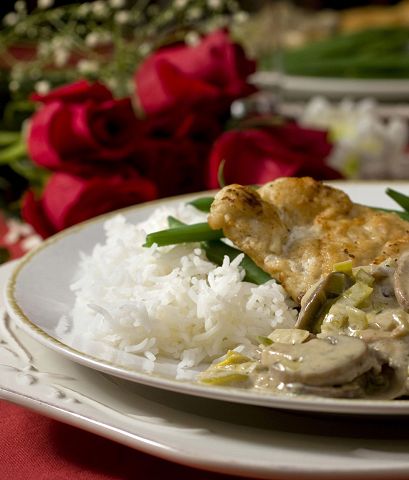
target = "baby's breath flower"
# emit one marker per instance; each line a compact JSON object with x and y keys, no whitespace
{"x":42,"y":87}
{"x":241,"y":17}
{"x":87,"y":66}
{"x":112,"y":83}
{"x":167,"y":16}
{"x":180,"y":4}
{"x":16,"y":231}
{"x":92,"y":39}
{"x":84,"y":10}
{"x":122,"y":17}
{"x":21,"y":28}
{"x":105,"y":37}
{"x":43,"y":49}
{"x":61,"y":56}
{"x":117,"y":3}
{"x":14,"y":85}
{"x":44,"y":4}
{"x":17,"y":72}
{"x":20,"y":6}
{"x":62,"y":41}
{"x":214,"y":4}
{"x":144,"y":48}
{"x":11,"y":19}
{"x":192,"y":39}
{"x":99,"y":8}
{"x":59,"y":31}
{"x":194,"y":13}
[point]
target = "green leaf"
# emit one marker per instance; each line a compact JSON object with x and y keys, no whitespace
{"x":12,"y":153}
{"x":16,"y":112}
{"x":36,"y":176}
{"x":8,"y":137}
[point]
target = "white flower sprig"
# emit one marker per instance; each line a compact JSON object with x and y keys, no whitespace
{"x":103,"y":40}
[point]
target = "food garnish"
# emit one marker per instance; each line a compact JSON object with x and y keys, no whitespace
{"x":351,"y":336}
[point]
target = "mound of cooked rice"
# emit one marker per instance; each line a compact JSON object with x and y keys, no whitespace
{"x":170,"y":301}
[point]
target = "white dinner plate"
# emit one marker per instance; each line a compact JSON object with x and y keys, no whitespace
{"x":220,"y":436}
{"x":38,"y":295}
{"x":299,"y":87}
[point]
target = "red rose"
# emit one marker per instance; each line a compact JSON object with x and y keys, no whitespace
{"x":256,"y":156}
{"x":195,"y":126}
{"x":210,"y":75}
{"x":175,"y":166}
{"x":77,"y":92}
{"x":79,"y":126}
{"x":68,"y":200}
{"x":172,"y":151}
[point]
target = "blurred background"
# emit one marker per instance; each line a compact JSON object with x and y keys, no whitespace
{"x":313,"y":87}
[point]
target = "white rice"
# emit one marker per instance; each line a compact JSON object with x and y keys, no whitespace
{"x":170,"y":301}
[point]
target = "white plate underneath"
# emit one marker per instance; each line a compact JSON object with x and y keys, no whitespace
{"x":209,"y":434}
{"x":299,"y":87}
{"x":39,"y":294}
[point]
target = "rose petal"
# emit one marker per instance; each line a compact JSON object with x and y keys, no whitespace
{"x":80,"y":91}
{"x":256,"y":156}
{"x":68,"y":199}
{"x":32,"y":213}
{"x":213,"y":72}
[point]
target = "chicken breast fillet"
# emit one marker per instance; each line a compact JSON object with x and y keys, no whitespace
{"x":296,"y":229}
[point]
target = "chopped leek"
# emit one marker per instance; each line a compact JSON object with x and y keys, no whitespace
{"x":344,"y":267}
{"x":233,"y":358}
{"x":224,"y":379}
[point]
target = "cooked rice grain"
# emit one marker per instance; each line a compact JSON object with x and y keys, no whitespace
{"x":170,"y":301}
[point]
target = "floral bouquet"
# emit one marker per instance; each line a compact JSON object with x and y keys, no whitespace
{"x":128,"y":104}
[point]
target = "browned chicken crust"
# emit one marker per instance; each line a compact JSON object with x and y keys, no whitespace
{"x":296,"y":229}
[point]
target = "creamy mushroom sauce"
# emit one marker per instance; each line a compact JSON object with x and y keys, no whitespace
{"x":351,"y":340}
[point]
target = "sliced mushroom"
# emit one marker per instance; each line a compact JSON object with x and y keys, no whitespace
{"x":383,"y":382}
{"x":393,"y":354}
{"x":333,"y":360}
{"x":352,"y":389}
{"x":317,"y":298}
{"x":401,"y":281}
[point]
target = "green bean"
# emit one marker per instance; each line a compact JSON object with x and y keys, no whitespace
{"x":371,"y":53}
{"x":174,"y":222}
{"x":197,"y":232}
{"x":203,"y":204}
{"x":401,"y":199}
{"x":216,"y":250}
{"x":401,"y":214}
{"x":220,"y":174}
